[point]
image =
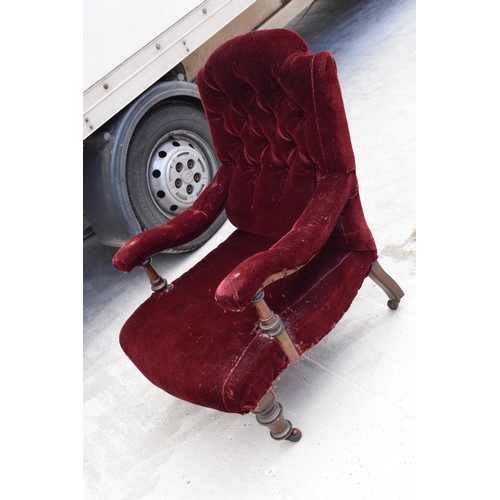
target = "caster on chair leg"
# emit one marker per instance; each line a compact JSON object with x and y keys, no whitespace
{"x":393,"y":304}
{"x":270,"y":414}
{"x":289,"y":434}
{"x":295,"y":435}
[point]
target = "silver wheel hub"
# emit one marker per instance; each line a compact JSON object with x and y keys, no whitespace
{"x":177,"y":173}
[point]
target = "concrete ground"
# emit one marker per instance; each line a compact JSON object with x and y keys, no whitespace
{"x":353,"y":396}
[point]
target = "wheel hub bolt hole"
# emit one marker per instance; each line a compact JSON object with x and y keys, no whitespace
{"x":178,"y":166}
{"x":156,"y":174}
{"x":189,"y":189}
{"x":190,"y":163}
{"x":178,"y":183}
{"x":197,"y":177}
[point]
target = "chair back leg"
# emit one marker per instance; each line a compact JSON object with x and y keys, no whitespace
{"x":388,"y":285}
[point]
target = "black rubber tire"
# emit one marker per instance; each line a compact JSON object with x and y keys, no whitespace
{"x":172,"y":122}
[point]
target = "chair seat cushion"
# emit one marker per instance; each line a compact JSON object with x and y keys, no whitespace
{"x":187,"y":345}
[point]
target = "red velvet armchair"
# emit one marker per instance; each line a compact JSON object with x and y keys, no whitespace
{"x":288,"y":183}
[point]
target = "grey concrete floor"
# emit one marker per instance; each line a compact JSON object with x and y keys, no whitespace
{"x":353,"y":396}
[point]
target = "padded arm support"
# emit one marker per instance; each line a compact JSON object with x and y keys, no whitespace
{"x":181,"y":229}
{"x":294,"y":249}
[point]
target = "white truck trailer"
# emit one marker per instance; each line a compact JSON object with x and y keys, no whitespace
{"x":147,"y":150}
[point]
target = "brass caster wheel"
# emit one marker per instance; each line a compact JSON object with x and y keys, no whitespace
{"x":295,"y":435}
{"x":393,"y":304}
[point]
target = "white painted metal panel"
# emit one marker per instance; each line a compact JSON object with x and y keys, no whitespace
{"x":113,"y":30}
{"x":128,"y":80}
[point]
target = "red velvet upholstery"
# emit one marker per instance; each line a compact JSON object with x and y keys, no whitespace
{"x":288,"y":183}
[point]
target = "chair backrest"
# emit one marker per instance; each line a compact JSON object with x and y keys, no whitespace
{"x":277,"y":119}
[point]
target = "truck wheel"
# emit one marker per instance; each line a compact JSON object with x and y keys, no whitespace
{"x":170,"y":161}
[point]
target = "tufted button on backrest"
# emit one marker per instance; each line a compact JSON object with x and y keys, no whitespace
{"x":277,"y":118}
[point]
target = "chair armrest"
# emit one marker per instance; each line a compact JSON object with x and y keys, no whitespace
{"x":294,"y":250}
{"x":181,"y":229}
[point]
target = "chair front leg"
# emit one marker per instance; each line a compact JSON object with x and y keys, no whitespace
{"x":270,"y":414}
{"x":271,"y":324}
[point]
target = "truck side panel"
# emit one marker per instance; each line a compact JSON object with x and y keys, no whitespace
{"x":114,"y":30}
{"x":119,"y":87}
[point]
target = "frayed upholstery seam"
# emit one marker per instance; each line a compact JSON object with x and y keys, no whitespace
{"x":232,"y":370}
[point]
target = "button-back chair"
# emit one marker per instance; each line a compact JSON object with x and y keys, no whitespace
{"x":221,"y":334}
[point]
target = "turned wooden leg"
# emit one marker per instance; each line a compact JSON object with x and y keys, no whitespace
{"x":270,"y":413}
{"x":271,"y":324}
{"x":388,"y":285}
{"x":157,"y":282}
